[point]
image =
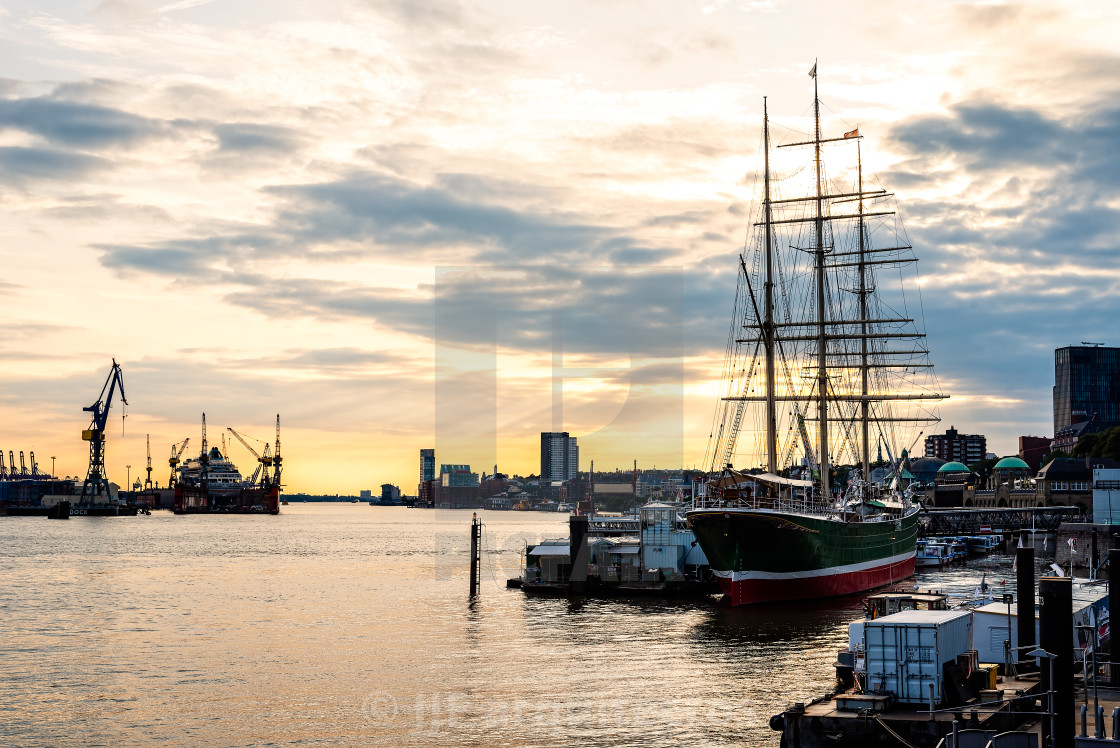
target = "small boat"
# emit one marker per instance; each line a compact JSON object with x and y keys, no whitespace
{"x":979,"y":545}
{"x":932,"y":554}
{"x":958,"y":548}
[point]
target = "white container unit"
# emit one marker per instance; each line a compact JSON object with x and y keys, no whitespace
{"x":907,"y":651}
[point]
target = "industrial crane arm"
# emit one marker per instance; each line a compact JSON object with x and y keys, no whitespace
{"x":100,"y":409}
{"x":242,"y":440}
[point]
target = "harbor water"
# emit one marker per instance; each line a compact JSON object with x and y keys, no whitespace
{"x":345,"y":624}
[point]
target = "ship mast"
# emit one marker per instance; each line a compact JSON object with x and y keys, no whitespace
{"x":865,"y":403}
{"x":819,"y":252}
{"x":768,"y":322}
{"x":824,"y":328}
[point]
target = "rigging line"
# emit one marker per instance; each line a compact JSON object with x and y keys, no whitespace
{"x":727,"y":377}
{"x":720,"y":412}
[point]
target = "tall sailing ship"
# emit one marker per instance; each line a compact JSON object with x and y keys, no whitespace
{"x":826,"y":357}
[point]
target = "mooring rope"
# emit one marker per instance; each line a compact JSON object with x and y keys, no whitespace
{"x":898,"y":737}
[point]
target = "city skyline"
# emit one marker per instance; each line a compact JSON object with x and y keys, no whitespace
{"x":453,"y":226}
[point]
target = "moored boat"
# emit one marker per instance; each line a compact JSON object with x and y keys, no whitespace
{"x":816,"y":344}
{"x":777,"y":543}
{"x":932,"y":554}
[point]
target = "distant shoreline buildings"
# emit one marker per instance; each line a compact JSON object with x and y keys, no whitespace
{"x":956,"y":447}
{"x":559,"y":456}
{"x":1086,"y":400}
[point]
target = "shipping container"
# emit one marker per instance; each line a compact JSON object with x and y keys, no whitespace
{"x":906,"y":652}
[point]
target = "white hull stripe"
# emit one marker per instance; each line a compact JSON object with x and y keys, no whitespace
{"x":738,"y":576}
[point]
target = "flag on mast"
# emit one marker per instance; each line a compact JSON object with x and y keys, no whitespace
{"x":852,"y":133}
{"x":813,"y":72}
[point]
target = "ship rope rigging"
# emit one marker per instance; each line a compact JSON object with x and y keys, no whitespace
{"x":842,"y":348}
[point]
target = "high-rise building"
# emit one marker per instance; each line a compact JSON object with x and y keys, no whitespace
{"x":1086,"y":383}
{"x":559,"y":456}
{"x":956,"y":447}
{"x":427,"y":465}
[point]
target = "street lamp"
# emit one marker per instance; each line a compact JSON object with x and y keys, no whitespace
{"x":1091,"y":641}
{"x":1037,"y":653}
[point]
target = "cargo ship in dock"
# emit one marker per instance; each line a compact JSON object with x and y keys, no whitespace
{"x":827,"y":358}
{"x":212,"y":484}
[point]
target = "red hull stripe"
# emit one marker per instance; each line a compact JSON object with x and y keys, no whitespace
{"x":746,"y":590}
{"x":825,"y":572}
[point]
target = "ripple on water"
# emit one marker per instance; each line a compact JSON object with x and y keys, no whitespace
{"x":350,"y":625}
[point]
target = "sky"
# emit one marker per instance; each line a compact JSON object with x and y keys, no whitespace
{"x":459,"y":224}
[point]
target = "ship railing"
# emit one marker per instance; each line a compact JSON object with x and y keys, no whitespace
{"x":768,"y":503}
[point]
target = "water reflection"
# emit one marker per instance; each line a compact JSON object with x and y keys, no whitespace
{"x":351,"y":625}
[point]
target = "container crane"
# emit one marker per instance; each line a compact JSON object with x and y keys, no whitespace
{"x":23,"y":474}
{"x":264,"y":461}
{"x":3,"y":468}
{"x":95,"y":483}
{"x":173,"y":462}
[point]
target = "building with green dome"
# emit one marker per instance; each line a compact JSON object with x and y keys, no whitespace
{"x":1013,"y":471}
{"x":957,"y":486}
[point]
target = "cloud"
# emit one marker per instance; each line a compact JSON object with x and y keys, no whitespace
{"x":370,"y":215}
{"x":603,"y":310}
{"x":985,"y":136}
{"x":1022,"y":258}
{"x":250,"y":137}
{"x":432,"y":15}
{"x":79,"y":125}
{"x":22,"y":164}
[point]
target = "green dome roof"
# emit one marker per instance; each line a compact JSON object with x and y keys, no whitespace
{"x":1012,"y":463}
{"x":953,"y":467}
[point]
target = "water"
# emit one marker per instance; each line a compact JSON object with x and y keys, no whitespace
{"x":345,"y":624}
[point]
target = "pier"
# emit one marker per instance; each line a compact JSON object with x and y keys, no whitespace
{"x":1002,"y":520}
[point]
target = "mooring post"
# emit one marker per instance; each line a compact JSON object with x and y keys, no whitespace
{"x":476,"y":570}
{"x":1055,"y":623}
{"x":1024,"y":593}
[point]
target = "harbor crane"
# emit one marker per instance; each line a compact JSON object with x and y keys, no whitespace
{"x":96,"y":484}
{"x":3,"y":468}
{"x":264,"y":461}
{"x":176,"y":453}
{"x":276,"y":454}
{"x":148,"y":480}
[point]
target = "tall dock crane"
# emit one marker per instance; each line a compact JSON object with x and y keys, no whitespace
{"x":276,"y":454}
{"x":96,"y":484}
{"x":148,"y":480}
{"x":264,"y":460}
{"x":173,"y":462}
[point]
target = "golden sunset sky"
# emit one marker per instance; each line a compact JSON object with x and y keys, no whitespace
{"x":401,"y":224}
